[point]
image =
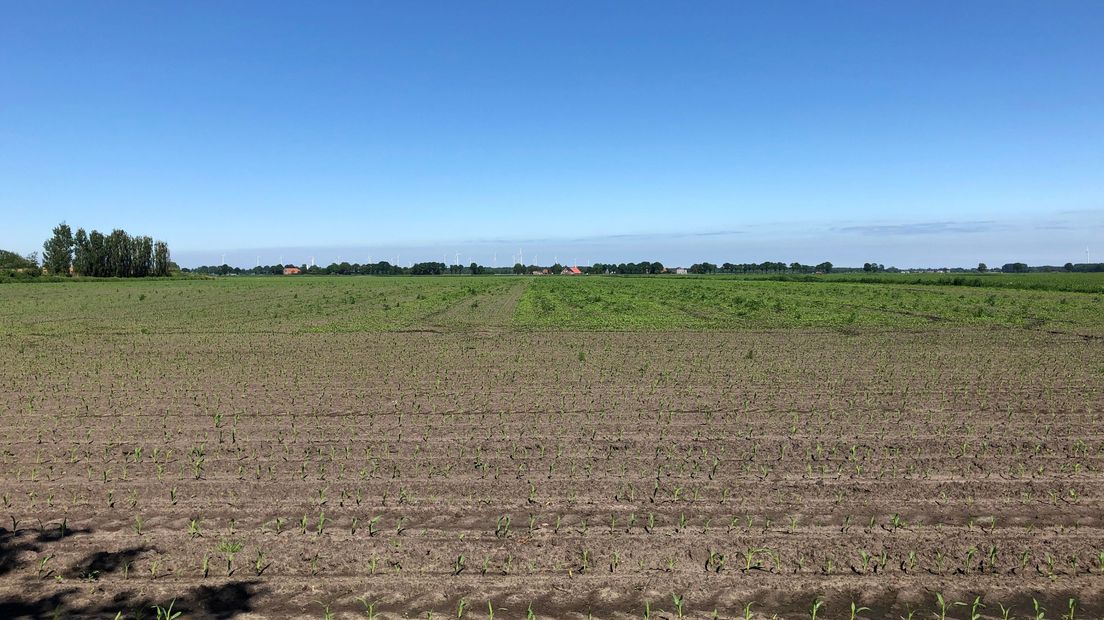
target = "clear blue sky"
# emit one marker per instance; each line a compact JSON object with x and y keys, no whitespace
{"x":919,"y":133}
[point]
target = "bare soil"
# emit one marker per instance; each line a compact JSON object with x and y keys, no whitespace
{"x":770,"y":467}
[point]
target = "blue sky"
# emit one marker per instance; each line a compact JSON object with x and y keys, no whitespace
{"x":925,"y":133}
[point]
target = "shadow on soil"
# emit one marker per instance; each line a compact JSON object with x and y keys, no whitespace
{"x":16,"y":542}
{"x":217,"y":602}
{"x":205,"y":602}
{"x":100,"y":563}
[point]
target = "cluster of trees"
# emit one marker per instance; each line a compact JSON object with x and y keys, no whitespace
{"x":764,"y":267}
{"x":1084,"y":267}
{"x":434,"y":269}
{"x":10,"y":261}
{"x":115,"y":255}
{"x":1070,"y":267}
{"x":382,"y":268}
{"x":643,"y":267}
{"x":16,"y":267}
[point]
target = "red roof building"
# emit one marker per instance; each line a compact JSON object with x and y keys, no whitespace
{"x":291,"y":271}
{"x":571,"y":271}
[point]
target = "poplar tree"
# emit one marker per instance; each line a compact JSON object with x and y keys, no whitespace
{"x":57,"y":252}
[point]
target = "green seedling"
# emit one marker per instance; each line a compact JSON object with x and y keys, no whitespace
{"x":230,"y":548}
{"x":815,"y":608}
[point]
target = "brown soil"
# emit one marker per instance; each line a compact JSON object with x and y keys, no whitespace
{"x":645,"y":452}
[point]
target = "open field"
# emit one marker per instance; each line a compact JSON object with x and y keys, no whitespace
{"x":275,"y":447}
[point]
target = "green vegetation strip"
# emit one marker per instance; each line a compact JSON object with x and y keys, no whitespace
{"x":590,"y":303}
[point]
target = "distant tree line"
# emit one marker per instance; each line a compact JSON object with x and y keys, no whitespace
{"x":765,"y":267}
{"x":382,"y":268}
{"x":385,"y":268}
{"x":1070,"y":267}
{"x":643,"y":267}
{"x":115,"y":255}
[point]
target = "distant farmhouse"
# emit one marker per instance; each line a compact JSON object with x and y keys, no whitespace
{"x":291,"y":271}
{"x":571,"y":271}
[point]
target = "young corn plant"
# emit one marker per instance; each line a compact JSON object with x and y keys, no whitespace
{"x":815,"y":608}
{"x":42,"y":571}
{"x":166,"y":613}
{"x":715,"y":562}
{"x":369,"y":607}
{"x":680,"y":603}
{"x":1040,"y":611}
{"x":856,"y":610}
{"x":940,"y":606}
{"x":975,"y":608}
{"x":503,"y":528}
{"x":230,"y":548}
{"x":259,"y":565}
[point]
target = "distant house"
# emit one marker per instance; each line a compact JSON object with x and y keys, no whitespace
{"x":680,"y":271}
{"x":571,"y":271}
{"x":291,"y":271}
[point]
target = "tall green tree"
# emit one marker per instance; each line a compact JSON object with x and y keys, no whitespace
{"x":161,"y":259}
{"x":82,"y":254}
{"x":97,"y":254}
{"x":119,"y":253}
{"x":142,"y":259}
{"x":57,"y":252}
